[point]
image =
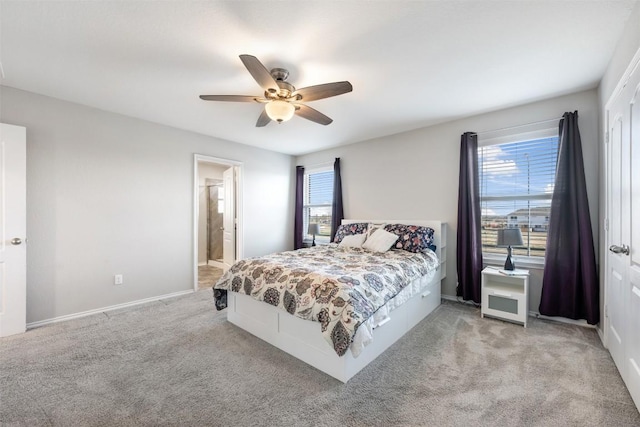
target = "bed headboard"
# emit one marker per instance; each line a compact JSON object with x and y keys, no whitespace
{"x":439,"y":236}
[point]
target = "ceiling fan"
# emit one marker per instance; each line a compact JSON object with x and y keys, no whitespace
{"x":282,"y":100}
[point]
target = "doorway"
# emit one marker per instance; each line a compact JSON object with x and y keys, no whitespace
{"x":217,"y":219}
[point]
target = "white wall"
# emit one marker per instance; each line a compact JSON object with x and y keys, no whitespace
{"x":627,"y":47}
{"x":111,"y":194}
{"x":414,"y":175}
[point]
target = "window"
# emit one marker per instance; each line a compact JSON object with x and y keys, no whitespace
{"x":318,"y":199}
{"x":516,"y":186}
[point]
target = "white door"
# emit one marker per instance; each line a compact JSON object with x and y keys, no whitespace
{"x":623,"y":256}
{"x":13,"y":253}
{"x":617,"y":269}
{"x":632,"y":204}
{"x":229,"y":220}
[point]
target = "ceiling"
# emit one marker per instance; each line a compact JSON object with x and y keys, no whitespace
{"x":411,"y":63}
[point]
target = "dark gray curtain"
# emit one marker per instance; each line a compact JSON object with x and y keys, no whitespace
{"x":469,"y":243}
{"x":570,"y":282}
{"x":297,"y":221}
{"x":337,"y":213}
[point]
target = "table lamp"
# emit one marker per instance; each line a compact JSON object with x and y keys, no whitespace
{"x":509,"y":237}
{"x":313,"y":230}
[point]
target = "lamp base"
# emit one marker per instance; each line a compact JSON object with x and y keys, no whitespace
{"x":509,"y":264}
{"x":313,"y":243}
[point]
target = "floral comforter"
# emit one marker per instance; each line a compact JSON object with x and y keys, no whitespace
{"x":338,"y":287}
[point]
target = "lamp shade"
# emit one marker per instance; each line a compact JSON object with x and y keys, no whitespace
{"x":280,"y":111}
{"x":509,"y":237}
{"x":313,"y":229}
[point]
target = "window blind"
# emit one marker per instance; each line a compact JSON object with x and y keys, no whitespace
{"x":319,"y":188}
{"x":516,"y":187}
{"x":318,"y":197}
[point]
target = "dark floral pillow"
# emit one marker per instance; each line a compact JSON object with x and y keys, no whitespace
{"x":349,"y":229}
{"x":413,"y":238}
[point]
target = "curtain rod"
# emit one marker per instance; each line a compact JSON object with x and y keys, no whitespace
{"x":519,"y":126}
{"x":317,"y":165}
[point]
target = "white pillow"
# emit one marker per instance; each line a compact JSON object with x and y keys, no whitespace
{"x":352,"y":241}
{"x":380,"y":241}
{"x":372,"y":227}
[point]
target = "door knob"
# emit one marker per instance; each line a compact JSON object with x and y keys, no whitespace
{"x":624,"y":249}
{"x":16,"y":241}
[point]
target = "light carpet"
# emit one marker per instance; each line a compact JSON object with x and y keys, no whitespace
{"x":179,"y":362}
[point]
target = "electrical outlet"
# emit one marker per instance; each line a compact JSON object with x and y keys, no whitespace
{"x":117,"y":279}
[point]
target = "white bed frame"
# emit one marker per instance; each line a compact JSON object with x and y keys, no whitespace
{"x":303,"y":339}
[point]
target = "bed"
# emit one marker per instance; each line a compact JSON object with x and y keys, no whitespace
{"x":363,"y":334}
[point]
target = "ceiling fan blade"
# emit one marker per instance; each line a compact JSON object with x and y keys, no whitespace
{"x":326,"y":90}
{"x":230,"y":98}
{"x":260,"y":73}
{"x":311,"y":114}
{"x":263,"y":120}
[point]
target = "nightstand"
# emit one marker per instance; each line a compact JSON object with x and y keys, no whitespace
{"x":505,"y":295}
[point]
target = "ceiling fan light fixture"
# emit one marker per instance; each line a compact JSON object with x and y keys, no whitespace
{"x":280,"y":111}
{"x":280,"y":98}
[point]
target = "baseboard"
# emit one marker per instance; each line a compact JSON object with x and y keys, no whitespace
{"x":582,"y":323}
{"x":66,"y":317}
{"x":218,"y":264}
{"x":458,"y":300}
{"x":601,"y":335}
{"x":449,"y":297}
{"x":541,"y":316}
